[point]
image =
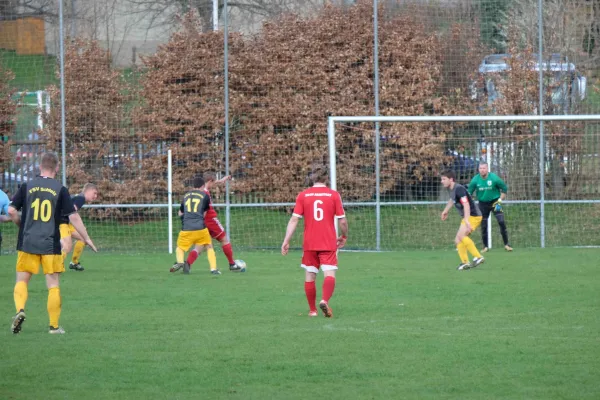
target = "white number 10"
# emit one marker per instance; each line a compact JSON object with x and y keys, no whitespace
{"x":318,"y":212}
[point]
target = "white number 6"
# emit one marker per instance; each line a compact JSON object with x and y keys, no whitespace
{"x":318,"y":212}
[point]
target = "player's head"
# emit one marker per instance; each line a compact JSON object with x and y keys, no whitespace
{"x":209,"y":177}
{"x":484,"y":169}
{"x":198,"y":182}
{"x":319,"y":174}
{"x":448,"y":178}
{"x":49,"y":164}
{"x":90,"y":192}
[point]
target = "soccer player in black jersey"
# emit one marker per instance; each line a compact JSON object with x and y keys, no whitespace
{"x":67,"y":230}
{"x":471,"y":219}
{"x":42,"y":202}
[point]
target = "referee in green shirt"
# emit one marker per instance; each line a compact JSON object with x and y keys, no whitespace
{"x":491,"y":190}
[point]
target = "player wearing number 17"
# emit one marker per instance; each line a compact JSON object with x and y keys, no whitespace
{"x":319,"y":206}
{"x":193,"y":209}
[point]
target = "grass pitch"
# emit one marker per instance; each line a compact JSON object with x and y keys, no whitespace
{"x":406,"y":325}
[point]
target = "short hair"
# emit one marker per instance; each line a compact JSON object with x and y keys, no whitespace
{"x":449,"y":174}
{"x":89,"y":186}
{"x":483,"y":163}
{"x":209,"y":176}
{"x":49,"y":161}
{"x":197,"y":182}
{"x":319,"y":174}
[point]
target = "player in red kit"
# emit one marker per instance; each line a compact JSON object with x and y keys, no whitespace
{"x":319,"y":206}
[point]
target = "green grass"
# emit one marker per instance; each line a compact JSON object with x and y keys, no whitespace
{"x":407,"y":325}
{"x":32,"y":72}
{"x":402,"y":228}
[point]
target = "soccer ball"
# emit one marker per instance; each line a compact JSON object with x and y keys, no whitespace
{"x":241,"y":264}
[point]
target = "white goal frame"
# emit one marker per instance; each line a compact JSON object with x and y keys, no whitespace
{"x":459,"y":118}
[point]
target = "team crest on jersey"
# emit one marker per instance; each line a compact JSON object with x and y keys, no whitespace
{"x":489,"y":183}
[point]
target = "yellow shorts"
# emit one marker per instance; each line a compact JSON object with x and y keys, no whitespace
{"x":66,"y":230}
{"x":186,"y":239}
{"x":51,"y":263}
{"x":474,"y":221}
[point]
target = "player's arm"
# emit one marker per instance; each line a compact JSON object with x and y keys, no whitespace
{"x":205,"y":205}
{"x":180,"y":212}
{"x":467,"y":212}
{"x":343,"y":227}
{"x":502,"y":186}
{"x":292,"y":224}
{"x":5,"y":217}
{"x":13,"y":214}
{"x":224,"y":179}
{"x":340,"y":215}
{"x":16,"y":204}
{"x":472,"y":186}
{"x":447,"y":209}
{"x":289,"y":232}
{"x":67,"y":208}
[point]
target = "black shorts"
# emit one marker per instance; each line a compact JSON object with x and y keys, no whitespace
{"x":486,"y":207}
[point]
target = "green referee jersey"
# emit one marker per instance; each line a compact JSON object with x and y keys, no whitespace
{"x":487,"y":189}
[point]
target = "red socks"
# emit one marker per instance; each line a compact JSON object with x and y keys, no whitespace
{"x":192,"y":257}
{"x":228,"y":251}
{"x":328,"y":287}
{"x":311,"y":295}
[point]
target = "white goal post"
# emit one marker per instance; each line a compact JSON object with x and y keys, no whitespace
{"x":331,"y":133}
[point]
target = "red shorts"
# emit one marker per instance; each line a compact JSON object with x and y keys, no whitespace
{"x":313,"y":260}
{"x":215,"y":228}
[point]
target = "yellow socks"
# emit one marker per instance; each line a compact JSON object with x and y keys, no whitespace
{"x":470,"y":246}
{"x":20,"y":294}
{"x":212,"y":258}
{"x":77,"y":250}
{"x":462,"y":253}
{"x":54,"y":304}
{"x":179,"y":255}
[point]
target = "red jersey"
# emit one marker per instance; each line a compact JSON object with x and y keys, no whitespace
{"x":211,"y":212}
{"x":319,"y":206}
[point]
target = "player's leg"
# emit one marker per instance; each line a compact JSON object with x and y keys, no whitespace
{"x":328,"y":263}
{"x":77,"y":250}
{"x":66,"y":243}
{"x":310,"y":263}
{"x":184,"y":242}
{"x":27,"y":265}
{"x":202,"y":239}
{"x":462,"y":249}
{"x":486,"y":208}
{"x":212,"y":258}
{"x":228,"y":251}
{"x":468,"y":242}
{"x":503,"y":231}
{"x":53,"y":267}
{"x":193,"y":255}
{"x":218,"y":232}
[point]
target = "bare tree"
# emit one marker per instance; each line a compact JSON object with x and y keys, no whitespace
{"x":164,"y":13}
{"x":12,"y":9}
{"x":566,"y":23}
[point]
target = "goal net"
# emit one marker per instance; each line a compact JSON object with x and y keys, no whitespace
{"x":387,"y":170}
